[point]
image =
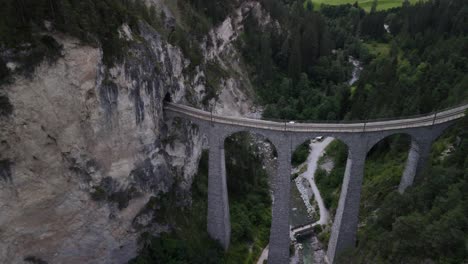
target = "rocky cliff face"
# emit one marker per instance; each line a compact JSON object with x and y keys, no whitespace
{"x":86,"y":146}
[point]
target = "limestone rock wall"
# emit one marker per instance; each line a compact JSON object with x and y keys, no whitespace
{"x":87,"y":146}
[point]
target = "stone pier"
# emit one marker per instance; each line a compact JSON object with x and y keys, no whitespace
{"x":279,"y":233}
{"x":417,"y":159}
{"x":360,"y":137}
{"x":343,"y":234}
{"x":218,"y":220}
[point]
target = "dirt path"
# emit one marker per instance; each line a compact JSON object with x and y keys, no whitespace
{"x":316,"y":152}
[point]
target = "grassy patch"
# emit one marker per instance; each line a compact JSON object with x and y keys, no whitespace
{"x":303,"y":169}
{"x":352,"y":91}
{"x":378,"y":49}
{"x":381,"y":177}
{"x":364,"y":4}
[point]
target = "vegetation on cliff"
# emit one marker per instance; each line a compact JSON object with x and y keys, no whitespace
{"x":250,"y":212}
{"x":187,"y":241}
{"x":95,"y":23}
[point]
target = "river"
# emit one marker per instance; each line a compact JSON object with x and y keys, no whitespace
{"x":357,"y":68}
{"x":312,"y":251}
{"x":309,"y":250}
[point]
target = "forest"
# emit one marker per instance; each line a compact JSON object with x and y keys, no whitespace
{"x":418,"y":66}
{"x":301,"y":69}
{"x":430,"y":220}
{"x":414,"y":61}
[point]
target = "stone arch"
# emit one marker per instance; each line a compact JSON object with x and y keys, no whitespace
{"x":232,"y":130}
{"x":418,"y":152}
{"x":388,"y":165}
{"x":373,"y":190}
{"x":417,"y":146}
{"x":260,"y":138}
{"x":377,"y":138}
{"x":248,"y":179}
{"x":300,"y":138}
{"x":326,"y":170}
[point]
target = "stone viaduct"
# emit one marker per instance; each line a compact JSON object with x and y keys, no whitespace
{"x":360,"y":137}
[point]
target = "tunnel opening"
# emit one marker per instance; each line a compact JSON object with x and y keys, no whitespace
{"x":167,"y":98}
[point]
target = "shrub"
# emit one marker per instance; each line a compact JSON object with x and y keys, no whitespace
{"x":300,"y":155}
{"x":318,"y":229}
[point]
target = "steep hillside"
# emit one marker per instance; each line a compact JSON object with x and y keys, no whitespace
{"x":84,"y":144}
{"x":89,"y":166}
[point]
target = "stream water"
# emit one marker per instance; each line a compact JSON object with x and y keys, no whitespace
{"x":357,"y":68}
{"x":299,"y":214}
{"x":311,"y":250}
{"x":303,"y":190}
{"x":306,"y":189}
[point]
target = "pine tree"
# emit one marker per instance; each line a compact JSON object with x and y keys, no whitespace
{"x":266,"y":64}
{"x":302,"y":86}
{"x":374,"y":6}
{"x":309,"y":6}
{"x":295,"y":58}
{"x":310,"y":43}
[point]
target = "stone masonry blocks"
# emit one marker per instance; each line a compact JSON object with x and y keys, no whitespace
{"x":415,"y":163}
{"x":279,"y":233}
{"x":218,"y":221}
{"x":343,"y":234}
{"x":345,"y":224}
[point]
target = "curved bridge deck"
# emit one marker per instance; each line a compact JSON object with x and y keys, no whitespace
{"x":358,"y":126}
{"x":359,"y":136}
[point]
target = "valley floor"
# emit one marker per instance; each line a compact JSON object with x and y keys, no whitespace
{"x":307,"y":191}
